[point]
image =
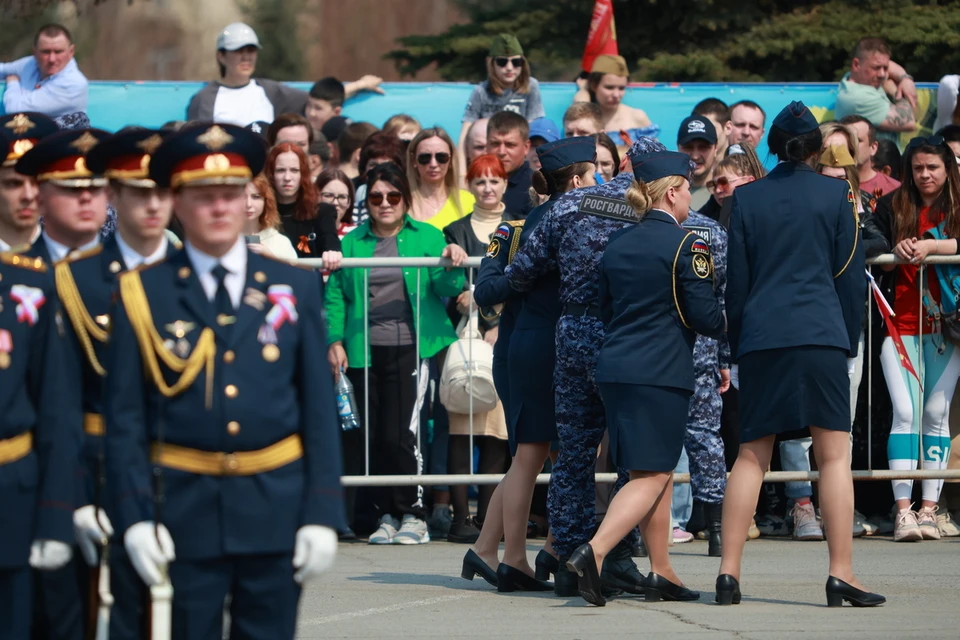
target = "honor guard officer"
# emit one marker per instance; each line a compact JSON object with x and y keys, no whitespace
{"x":73,"y":203}
{"x":19,"y":218}
{"x":222,"y":443}
{"x":530,"y":352}
{"x":71,"y":200}
{"x":86,"y":284}
{"x":39,"y":441}
{"x":571,"y":237}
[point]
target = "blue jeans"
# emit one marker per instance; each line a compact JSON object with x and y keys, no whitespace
{"x":682,"y":505}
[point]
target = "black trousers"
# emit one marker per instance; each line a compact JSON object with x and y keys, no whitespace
{"x":393,"y":427}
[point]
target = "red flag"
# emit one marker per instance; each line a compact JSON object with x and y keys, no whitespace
{"x":602,"y":39}
{"x":887,"y":312}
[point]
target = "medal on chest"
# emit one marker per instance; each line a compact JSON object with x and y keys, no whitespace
{"x":6,"y":347}
{"x":283,"y":310}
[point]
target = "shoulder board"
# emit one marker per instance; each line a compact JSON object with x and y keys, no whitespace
{"x":16,"y":260}
{"x":143,"y":266}
{"x":80,"y":255}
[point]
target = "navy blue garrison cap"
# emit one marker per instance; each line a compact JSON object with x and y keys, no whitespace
{"x":61,"y":159}
{"x":208,"y":154}
{"x":654,"y":166}
{"x":125,"y":156}
{"x":562,"y":153}
{"x":24,"y":130}
{"x":795,"y":119}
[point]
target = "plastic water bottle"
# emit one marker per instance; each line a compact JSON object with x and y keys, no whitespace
{"x":346,"y":403}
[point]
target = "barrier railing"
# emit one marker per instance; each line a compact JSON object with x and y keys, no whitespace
{"x":369,"y":479}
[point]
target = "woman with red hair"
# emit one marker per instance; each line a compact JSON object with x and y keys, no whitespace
{"x":310,"y":225}
{"x":263,"y":221}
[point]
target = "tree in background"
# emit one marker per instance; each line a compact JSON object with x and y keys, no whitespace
{"x":275,"y":22}
{"x":699,"y":40}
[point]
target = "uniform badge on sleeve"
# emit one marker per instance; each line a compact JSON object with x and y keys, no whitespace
{"x":493,"y":249}
{"x":700,"y":246}
{"x":701,"y":266}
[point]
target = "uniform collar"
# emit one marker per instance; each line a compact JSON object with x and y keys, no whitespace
{"x":59,"y":251}
{"x":663,"y":216}
{"x":33,"y":238}
{"x":132,"y":259}
{"x":234,"y":260}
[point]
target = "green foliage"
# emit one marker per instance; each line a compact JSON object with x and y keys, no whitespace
{"x":275,"y":22}
{"x":699,"y":40}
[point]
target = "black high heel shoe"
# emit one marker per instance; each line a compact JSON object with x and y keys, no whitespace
{"x":584,"y":564}
{"x":838,"y":591}
{"x":546,"y":565}
{"x":511,"y":579}
{"x":473,"y":565}
{"x":659,"y":588}
{"x":728,"y":590}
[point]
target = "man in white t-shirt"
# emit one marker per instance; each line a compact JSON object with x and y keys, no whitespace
{"x":239,"y":98}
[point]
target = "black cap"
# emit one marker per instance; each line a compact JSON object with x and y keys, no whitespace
{"x":24,"y":130}
{"x":208,"y":154}
{"x":61,"y":159}
{"x":125,"y":156}
{"x":259,"y":127}
{"x":696,"y":128}
{"x":795,"y":119}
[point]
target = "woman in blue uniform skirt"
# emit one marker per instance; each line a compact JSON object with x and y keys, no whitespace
{"x":795,"y":298}
{"x":656,"y":294}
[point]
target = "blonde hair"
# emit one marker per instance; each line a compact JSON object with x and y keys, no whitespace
{"x":643,"y":195}
{"x":853,"y":142}
{"x":520,"y":85}
{"x":742,"y":164}
{"x":451,"y":180}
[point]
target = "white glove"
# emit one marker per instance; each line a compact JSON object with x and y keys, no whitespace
{"x":90,"y":534}
{"x":48,"y":555}
{"x":735,"y":376}
{"x":150,"y":549}
{"x":314,"y":551}
{"x":851,"y":367}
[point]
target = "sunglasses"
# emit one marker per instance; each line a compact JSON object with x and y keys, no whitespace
{"x":920,"y":141}
{"x":425,"y":158}
{"x":393,"y":198}
{"x":722,"y":182}
{"x":516,"y":63}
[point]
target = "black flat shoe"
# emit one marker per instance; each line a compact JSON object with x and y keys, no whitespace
{"x":584,"y":564}
{"x":838,"y":591}
{"x":728,"y":590}
{"x":659,"y":588}
{"x":546,"y":565}
{"x":511,"y":579}
{"x":473,"y":565}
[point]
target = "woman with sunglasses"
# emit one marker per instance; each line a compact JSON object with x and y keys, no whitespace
{"x":509,"y":87}
{"x":337,"y":189}
{"x":309,"y":224}
{"x":606,"y":86}
{"x":928,"y":198}
{"x":394,"y":309}
{"x":434,"y":179}
{"x":740,"y":166}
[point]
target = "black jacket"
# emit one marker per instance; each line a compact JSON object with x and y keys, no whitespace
{"x":311,"y":237}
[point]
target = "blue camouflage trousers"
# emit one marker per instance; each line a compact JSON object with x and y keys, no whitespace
{"x":581,"y":423}
{"x":708,"y":471}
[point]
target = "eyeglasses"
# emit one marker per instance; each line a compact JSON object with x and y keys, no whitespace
{"x":920,"y":141}
{"x":376,"y":198}
{"x":425,"y":158}
{"x":334,"y":197}
{"x":722,"y":182}
{"x":516,"y":63}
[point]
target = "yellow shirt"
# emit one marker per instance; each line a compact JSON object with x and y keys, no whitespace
{"x":449,"y":212}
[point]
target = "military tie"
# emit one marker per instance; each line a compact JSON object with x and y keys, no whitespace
{"x":222,"y":300}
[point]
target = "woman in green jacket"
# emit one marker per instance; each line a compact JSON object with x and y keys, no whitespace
{"x":382,"y":350}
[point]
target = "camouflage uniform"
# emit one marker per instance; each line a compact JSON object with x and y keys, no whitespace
{"x":708,"y":472}
{"x":572,"y":239}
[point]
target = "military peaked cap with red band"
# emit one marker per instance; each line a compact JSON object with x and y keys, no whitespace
{"x":24,"y":130}
{"x":208,"y":154}
{"x":61,"y":159}
{"x":125,"y":156}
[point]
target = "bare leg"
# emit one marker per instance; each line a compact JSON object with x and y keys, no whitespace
{"x":518,"y":488}
{"x":740,"y":500}
{"x":655,"y":529}
{"x":634,"y":503}
{"x":832,"y":449}
{"x":487,"y":545}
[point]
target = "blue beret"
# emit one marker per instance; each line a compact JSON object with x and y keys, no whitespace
{"x":125,"y":156}
{"x":23,"y":130}
{"x":61,"y":159}
{"x":544,"y":128}
{"x":795,"y":119}
{"x":562,"y":153}
{"x":654,"y":166}
{"x":207,"y":154}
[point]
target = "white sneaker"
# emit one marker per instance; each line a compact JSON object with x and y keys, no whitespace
{"x":927,"y":521}
{"x":805,"y":525}
{"x":948,"y":528}
{"x":906,"y":528}
{"x":412,"y":531}
{"x":385,"y":532}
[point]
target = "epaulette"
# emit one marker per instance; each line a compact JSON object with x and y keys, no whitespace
{"x":24,"y":262}
{"x":73,"y":256}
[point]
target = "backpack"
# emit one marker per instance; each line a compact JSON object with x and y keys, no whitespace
{"x":469,"y":365}
{"x":948,"y":276}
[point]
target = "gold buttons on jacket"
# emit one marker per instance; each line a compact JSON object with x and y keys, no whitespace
{"x":184,"y":272}
{"x":229,"y":356}
{"x":260,"y":276}
{"x":233,"y":427}
{"x":270,"y":352}
{"x":231,"y":391}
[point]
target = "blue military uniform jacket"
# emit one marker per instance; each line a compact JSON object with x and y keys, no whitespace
{"x":250,"y":440}
{"x":795,"y":266}
{"x":709,"y":354}
{"x":86,"y":285}
{"x":39,"y":408}
{"x":656,"y":294}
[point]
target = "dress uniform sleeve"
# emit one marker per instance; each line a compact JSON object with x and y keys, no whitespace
{"x":738,"y":276}
{"x":693,"y":275}
{"x":718,"y":249}
{"x":59,"y":437}
{"x":336,"y":305}
{"x":492,"y":287}
{"x":536,"y":257}
{"x":320,"y":429}
{"x":125,"y":414}
{"x":850,"y":280}
{"x":446,"y":283}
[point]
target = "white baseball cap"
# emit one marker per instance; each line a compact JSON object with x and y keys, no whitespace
{"x":237,"y":36}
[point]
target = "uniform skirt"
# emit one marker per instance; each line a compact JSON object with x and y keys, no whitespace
{"x":532,"y":413}
{"x":784,"y":392}
{"x":646,"y":424}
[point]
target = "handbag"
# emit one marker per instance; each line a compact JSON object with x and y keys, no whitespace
{"x":468,"y":371}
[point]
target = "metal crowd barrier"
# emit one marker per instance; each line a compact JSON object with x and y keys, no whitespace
{"x":868,"y":474}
